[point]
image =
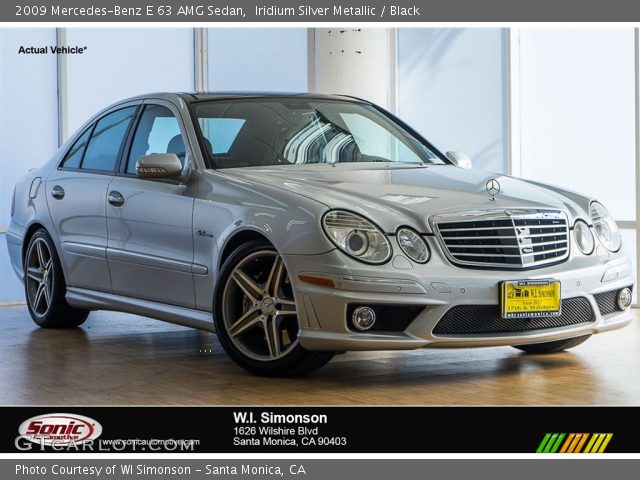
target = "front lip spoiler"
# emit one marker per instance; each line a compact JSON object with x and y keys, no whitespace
{"x":331,"y":341}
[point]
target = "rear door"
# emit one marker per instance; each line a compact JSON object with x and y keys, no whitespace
{"x":150,"y":247}
{"x":77,"y":192}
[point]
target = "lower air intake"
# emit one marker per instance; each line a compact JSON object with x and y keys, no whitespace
{"x":486,"y":319}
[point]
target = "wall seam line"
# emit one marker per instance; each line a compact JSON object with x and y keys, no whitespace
{"x":62,"y":87}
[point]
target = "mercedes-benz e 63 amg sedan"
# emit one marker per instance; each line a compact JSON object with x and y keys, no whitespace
{"x":300,"y":226}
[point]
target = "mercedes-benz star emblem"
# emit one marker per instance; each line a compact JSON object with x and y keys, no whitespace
{"x":493,"y":188}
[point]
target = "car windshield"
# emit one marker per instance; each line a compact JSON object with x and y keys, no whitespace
{"x":276,"y":131}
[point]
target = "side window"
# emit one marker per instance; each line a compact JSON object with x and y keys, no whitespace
{"x":106,"y":140}
{"x":158,"y":132}
{"x":73,"y":158}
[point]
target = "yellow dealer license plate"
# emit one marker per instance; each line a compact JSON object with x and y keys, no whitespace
{"x":530,"y":298}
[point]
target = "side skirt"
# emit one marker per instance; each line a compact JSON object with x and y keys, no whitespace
{"x":92,"y":300}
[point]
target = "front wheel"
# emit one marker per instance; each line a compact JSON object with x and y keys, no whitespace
{"x":553,"y":347}
{"x":256,"y":315}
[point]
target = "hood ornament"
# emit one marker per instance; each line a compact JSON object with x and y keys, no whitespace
{"x":493,"y":188}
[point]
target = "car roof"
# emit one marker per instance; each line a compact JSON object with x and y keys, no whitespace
{"x":193,"y":97}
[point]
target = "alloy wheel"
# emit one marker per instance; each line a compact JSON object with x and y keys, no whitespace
{"x":39,"y":277}
{"x":259,"y":310}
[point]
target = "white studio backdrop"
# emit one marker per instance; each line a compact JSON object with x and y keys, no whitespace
{"x":575,"y":93}
{"x":263,"y":59}
{"x":28,"y":124}
{"x":452,"y":87}
{"x":577,"y":100}
{"x":121,"y":63}
{"x":577,"y":113}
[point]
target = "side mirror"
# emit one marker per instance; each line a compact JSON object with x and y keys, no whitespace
{"x":159,"y":165}
{"x":460,"y":159}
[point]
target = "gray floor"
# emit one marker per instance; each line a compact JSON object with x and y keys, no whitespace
{"x":124,"y":359}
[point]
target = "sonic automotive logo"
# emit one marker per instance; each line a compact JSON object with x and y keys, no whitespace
{"x":574,"y":443}
{"x":60,"y":429}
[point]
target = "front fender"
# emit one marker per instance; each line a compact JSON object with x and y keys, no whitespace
{"x":291,"y":222}
{"x":226,"y":207}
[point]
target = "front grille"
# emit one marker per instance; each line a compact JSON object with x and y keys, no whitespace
{"x":389,"y":318}
{"x":608,"y":301}
{"x":505,"y":239}
{"x":486,"y":319}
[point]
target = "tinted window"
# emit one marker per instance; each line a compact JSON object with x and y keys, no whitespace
{"x":157,"y":132}
{"x":107,"y":137}
{"x":374,"y":142}
{"x":221,"y":132}
{"x":74,"y":156}
{"x":272,"y":131}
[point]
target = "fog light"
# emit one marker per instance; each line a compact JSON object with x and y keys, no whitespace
{"x":363,"y":318}
{"x":624,"y":298}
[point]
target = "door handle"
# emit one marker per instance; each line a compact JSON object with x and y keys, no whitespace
{"x":57,"y":192}
{"x":115,"y":198}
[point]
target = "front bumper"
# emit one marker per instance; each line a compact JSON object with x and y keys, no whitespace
{"x":435,"y":288}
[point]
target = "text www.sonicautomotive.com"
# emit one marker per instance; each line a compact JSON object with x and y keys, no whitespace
{"x":112,"y":445}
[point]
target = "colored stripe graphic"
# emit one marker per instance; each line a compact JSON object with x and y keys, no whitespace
{"x":591,"y":442}
{"x":581,"y":443}
{"x":556,"y":445}
{"x":604,"y":445}
{"x":598,"y":443}
{"x":567,"y":443}
{"x":574,"y":443}
{"x":543,"y":443}
{"x":550,"y":443}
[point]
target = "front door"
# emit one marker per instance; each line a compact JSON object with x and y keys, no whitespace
{"x":150,"y":245}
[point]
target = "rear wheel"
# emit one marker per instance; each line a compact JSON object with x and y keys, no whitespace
{"x":45,"y":287}
{"x":553,"y":347}
{"x":256,"y":315}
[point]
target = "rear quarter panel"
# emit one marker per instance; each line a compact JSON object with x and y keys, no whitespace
{"x":31,"y":209}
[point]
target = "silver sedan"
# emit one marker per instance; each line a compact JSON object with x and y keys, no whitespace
{"x":301,"y":226}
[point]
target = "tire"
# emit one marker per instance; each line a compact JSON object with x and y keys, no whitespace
{"x":255,"y":315}
{"x":553,"y":347}
{"x":45,"y":288}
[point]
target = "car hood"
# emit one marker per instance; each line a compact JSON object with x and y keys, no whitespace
{"x":394,"y":195}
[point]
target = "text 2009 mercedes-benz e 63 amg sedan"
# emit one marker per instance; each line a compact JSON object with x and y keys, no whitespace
{"x":299,"y":226}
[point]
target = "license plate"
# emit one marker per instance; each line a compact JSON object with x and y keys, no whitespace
{"x":530,"y":298}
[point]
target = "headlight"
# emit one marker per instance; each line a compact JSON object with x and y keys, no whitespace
{"x":413,"y":245}
{"x":356,"y":236}
{"x":605,"y":227}
{"x":584,"y":238}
